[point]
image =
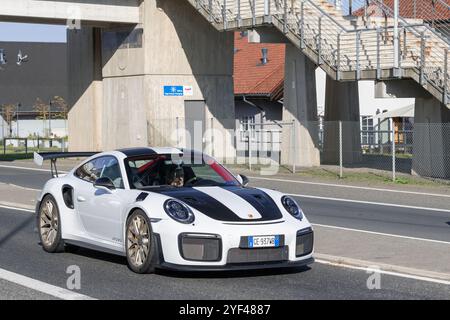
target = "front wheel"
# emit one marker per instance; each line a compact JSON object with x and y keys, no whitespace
{"x":49,"y":225}
{"x":140,"y":244}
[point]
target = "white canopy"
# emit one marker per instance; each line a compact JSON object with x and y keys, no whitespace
{"x":404,"y":112}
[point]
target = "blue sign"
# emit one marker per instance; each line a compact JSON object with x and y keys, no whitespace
{"x":173,"y":91}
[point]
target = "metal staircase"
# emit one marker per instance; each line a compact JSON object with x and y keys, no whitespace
{"x":359,"y":46}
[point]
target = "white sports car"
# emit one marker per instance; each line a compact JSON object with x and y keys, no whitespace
{"x":171,"y":209}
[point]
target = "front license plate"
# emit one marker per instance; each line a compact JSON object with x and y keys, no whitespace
{"x":264,"y":242}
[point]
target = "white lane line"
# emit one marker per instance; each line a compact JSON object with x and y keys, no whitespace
{"x":380,"y":233}
{"x":16,"y":208}
{"x":30,"y":169}
{"x":369,"y":202}
{"x":43,"y":287}
{"x":353,"y":187}
{"x":390,"y":273}
{"x":19,"y":187}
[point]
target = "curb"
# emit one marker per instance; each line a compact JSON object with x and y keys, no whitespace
{"x":350,"y":262}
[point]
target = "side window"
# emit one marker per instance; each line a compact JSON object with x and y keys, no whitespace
{"x":87,"y":172}
{"x":109,"y":167}
{"x":99,"y":168}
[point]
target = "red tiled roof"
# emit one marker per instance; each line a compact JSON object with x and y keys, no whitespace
{"x":253,"y":78}
{"x":423,"y":9}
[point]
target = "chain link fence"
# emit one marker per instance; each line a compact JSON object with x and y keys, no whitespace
{"x":389,"y":149}
{"x":26,"y":146}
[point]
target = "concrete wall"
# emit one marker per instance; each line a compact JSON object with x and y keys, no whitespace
{"x":43,"y":76}
{"x":182,"y":48}
{"x":85,"y":90}
{"x":124,"y":105}
{"x":59,"y":11}
{"x":342,"y":104}
{"x":300,"y":140}
{"x":431,"y":139}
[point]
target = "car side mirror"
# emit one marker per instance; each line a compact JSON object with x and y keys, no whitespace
{"x":104,"y":183}
{"x":243,"y":180}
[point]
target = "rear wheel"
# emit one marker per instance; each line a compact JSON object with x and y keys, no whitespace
{"x":49,"y":225}
{"x":140,"y":244}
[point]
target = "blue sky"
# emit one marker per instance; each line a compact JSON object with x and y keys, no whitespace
{"x":32,"y":32}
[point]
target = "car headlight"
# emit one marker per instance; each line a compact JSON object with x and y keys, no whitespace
{"x":179,"y":211}
{"x":292,"y":207}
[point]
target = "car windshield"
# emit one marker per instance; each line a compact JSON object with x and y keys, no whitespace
{"x":194,"y":170}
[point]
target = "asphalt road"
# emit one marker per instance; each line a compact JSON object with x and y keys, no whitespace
{"x":107,"y":277}
{"x":410,"y":222}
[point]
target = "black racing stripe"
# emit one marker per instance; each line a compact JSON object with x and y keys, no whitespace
{"x":201,"y":202}
{"x":260,"y":200}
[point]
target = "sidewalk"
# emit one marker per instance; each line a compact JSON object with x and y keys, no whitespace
{"x":410,"y":256}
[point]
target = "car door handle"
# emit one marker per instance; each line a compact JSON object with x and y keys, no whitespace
{"x":81,"y":199}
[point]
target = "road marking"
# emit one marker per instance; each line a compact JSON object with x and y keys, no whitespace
{"x":19,"y":187}
{"x":381,"y":234}
{"x":390,"y":273}
{"x":16,"y":208}
{"x":353,"y":187}
{"x":369,"y":202}
{"x":43,"y":287}
{"x":30,"y":169}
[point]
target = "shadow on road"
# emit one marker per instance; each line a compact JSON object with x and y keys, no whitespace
{"x":88,"y":253}
{"x":233,"y":274}
{"x":27,"y":223}
{"x":98,"y":255}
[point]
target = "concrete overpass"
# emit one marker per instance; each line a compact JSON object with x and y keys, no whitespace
{"x":98,"y":12}
{"x":127,"y":51}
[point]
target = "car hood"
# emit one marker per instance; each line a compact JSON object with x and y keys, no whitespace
{"x":231,"y":203}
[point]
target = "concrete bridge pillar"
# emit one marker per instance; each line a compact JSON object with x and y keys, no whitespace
{"x":85,"y":89}
{"x":300,"y":143}
{"x":118,"y":77}
{"x":431,"y":139}
{"x":342,"y":104}
{"x":183,"y":49}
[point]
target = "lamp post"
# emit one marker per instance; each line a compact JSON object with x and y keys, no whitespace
{"x":17,"y":119}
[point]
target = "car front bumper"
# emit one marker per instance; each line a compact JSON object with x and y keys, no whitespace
{"x":233,"y":253}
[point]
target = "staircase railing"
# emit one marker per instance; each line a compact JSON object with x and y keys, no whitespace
{"x":348,"y":49}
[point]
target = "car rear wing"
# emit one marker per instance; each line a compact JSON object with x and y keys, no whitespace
{"x":39,"y":158}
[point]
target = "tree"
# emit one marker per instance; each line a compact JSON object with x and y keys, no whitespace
{"x":62,"y":107}
{"x":7,"y":112}
{"x":43,"y":111}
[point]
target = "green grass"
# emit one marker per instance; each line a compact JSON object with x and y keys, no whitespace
{"x":368,"y":176}
{"x":15,"y":156}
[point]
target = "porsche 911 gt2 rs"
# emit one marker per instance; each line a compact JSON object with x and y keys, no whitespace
{"x":170,"y":208}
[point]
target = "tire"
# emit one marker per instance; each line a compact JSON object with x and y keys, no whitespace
{"x":49,"y":226}
{"x":140,"y":244}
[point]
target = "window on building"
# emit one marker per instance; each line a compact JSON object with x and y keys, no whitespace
{"x":367,"y":130}
{"x":247,"y":123}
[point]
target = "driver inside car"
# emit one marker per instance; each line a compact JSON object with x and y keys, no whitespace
{"x":176,"y":177}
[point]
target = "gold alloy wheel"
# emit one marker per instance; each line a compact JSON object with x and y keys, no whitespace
{"x":48,"y":223}
{"x":138,"y":241}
